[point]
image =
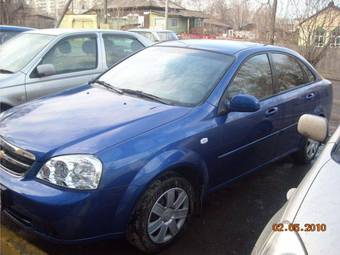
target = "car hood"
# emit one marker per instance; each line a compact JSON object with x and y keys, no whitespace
{"x":321,"y":206}
{"x":83,"y":120}
{"x":11,"y":79}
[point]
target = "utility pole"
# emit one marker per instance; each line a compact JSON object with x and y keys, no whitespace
{"x":64,"y":12}
{"x":105,"y":11}
{"x":273,"y":20}
{"x":166,"y":13}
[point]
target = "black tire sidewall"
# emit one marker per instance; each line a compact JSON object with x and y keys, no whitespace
{"x":137,"y":230}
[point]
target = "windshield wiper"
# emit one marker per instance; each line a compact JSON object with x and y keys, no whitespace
{"x":108,"y":86}
{"x":145,"y":95}
{"x":5,"y":71}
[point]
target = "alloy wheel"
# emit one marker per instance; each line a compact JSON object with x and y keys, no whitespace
{"x":168,"y":215}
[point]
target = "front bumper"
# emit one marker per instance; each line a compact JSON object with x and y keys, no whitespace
{"x":59,"y":214}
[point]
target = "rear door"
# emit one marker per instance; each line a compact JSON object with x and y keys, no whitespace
{"x":76,"y":60}
{"x":119,"y":46}
{"x":296,"y":95}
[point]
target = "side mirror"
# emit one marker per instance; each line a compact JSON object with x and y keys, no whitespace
{"x":45,"y":70}
{"x":313,"y":127}
{"x":243,"y":103}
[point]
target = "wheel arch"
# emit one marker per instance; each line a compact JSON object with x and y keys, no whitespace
{"x":186,"y":164}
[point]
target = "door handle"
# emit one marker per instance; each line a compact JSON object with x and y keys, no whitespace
{"x":272,"y":111}
{"x":310,"y":96}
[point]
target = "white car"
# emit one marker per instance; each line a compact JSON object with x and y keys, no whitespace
{"x":309,"y":223}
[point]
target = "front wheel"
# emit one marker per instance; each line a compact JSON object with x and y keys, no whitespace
{"x":162,"y":214}
{"x":308,"y":152}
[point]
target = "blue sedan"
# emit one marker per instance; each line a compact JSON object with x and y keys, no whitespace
{"x":7,"y":32}
{"x":135,"y":152}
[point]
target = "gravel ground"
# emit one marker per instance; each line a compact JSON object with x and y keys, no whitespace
{"x":231,"y":220}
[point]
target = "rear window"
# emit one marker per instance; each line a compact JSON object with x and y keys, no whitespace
{"x":289,"y":73}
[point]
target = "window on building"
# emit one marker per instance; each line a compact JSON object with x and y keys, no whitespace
{"x":173,"y":22}
{"x":335,"y":37}
{"x":320,"y":37}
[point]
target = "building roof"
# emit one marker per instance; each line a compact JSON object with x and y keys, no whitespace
{"x":330,"y":6}
{"x":221,"y":46}
{"x":182,"y":13}
{"x":141,"y":4}
{"x":216,"y":23}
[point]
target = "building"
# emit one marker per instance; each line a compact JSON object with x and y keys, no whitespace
{"x":151,"y":14}
{"x":322,"y":28}
{"x":50,"y":7}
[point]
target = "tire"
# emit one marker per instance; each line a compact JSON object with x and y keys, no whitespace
{"x":307,"y":153}
{"x":146,"y":227}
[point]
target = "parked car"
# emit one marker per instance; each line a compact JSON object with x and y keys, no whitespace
{"x":156,"y":35}
{"x":8,"y":32}
{"x":136,"y":151}
{"x":41,"y":62}
{"x":308,"y":223}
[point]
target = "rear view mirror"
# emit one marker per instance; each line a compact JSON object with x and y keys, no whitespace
{"x":313,"y":127}
{"x":45,"y":70}
{"x":244,"y":103}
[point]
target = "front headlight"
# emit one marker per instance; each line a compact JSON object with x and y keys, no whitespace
{"x":72,"y":171}
{"x":283,"y":243}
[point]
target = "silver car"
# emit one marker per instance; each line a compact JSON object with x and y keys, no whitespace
{"x":309,"y":222}
{"x":156,"y":35}
{"x":41,"y":62}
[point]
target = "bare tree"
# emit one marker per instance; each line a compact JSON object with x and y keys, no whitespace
{"x":273,"y":22}
{"x":8,"y":10}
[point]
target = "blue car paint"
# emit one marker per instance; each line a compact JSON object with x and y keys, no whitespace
{"x":138,"y":140}
{"x":15,"y":29}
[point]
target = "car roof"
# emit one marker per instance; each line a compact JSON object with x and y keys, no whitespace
{"x":150,"y":30}
{"x":221,"y":46}
{"x":15,"y":28}
{"x":62,"y":31}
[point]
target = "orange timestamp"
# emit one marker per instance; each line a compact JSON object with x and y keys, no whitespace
{"x":295,"y":227}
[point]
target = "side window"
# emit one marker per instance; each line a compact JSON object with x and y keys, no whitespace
{"x":73,"y":54}
{"x":310,"y":76}
{"x":289,"y":73}
{"x":253,"y":78}
{"x":118,"y":47}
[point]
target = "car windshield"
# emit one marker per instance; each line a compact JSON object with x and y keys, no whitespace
{"x":19,"y":51}
{"x":167,"y":36}
{"x":181,"y":76}
{"x":148,"y":35}
{"x":6,"y":35}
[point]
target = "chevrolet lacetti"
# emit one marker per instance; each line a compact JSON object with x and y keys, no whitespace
{"x":135,"y":152}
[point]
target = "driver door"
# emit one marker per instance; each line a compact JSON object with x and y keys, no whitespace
{"x":76,"y":62}
{"x":248,"y":139}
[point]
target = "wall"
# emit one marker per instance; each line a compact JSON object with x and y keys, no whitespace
{"x":158,"y":22}
{"x":79,"y":21}
{"x":329,"y":66}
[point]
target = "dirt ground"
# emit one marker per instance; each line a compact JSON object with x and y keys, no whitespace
{"x":231,"y":220}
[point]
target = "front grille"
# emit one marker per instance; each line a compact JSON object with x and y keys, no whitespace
{"x":13,"y":159}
